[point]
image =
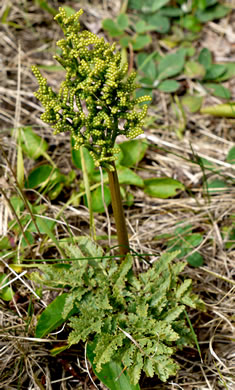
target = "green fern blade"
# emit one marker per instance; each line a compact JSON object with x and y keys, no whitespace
{"x":105,"y":348}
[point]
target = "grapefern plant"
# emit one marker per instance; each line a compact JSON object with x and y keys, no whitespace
{"x":138,"y":320}
{"x":95,"y":102}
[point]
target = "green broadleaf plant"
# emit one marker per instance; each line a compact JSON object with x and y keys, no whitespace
{"x":214,"y":74}
{"x":158,"y":75}
{"x":159,"y":72}
{"x":49,"y":180}
{"x":185,"y":241}
{"x":117,"y":28}
{"x":190,"y":15}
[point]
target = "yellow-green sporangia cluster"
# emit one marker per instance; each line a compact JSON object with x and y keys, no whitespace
{"x":95,"y":101}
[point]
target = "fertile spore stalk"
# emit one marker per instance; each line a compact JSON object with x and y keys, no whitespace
{"x":95,"y":103}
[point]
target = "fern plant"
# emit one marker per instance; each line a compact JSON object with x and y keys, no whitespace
{"x":136,"y":319}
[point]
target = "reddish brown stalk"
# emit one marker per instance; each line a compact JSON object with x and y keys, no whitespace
{"x":118,"y":212}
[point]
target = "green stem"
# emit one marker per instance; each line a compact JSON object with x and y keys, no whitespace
{"x":118,"y":212}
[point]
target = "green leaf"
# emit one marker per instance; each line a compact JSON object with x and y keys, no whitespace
{"x":113,"y":29}
{"x":205,"y":58}
{"x":106,"y":347}
{"x":215,"y":71}
{"x":111,"y":374}
{"x":135,"y":370}
{"x":43,"y":175}
{"x":231,"y":156}
{"x":133,"y":152}
{"x":168,"y":86}
{"x":97,"y":200}
{"x":152,"y":70}
{"x":218,"y":90}
{"x":119,"y":277}
{"x":162,"y":187}
{"x":39,"y":176}
{"x":223,"y":110}
{"x":141,"y":41}
{"x":124,"y":41}
{"x":128,"y":199}
{"x":17,"y":204}
{"x":44,"y":5}
{"x":135,"y":4}
{"x":51,"y":318}
{"x":147,"y":82}
{"x":217,"y":186}
{"x":183,"y":288}
{"x":203,"y":4}
{"x":165,"y":368}
{"x":5,"y":14}
{"x":127,"y":176}
{"x":185,"y":242}
{"x":56,"y":190}
{"x":6,"y":293}
{"x":146,"y":63}
{"x":230,"y":72}
{"x":141,"y":27}
{"x":171,"y":65}
{"x":194,"y":70}
{"x":216,"y":12}
{"x":44,"y":225}
{"x":160,"y":22}
{"x":193,"y":240}
{"x":157,"y":4}
{"x":165,"y":259}
{"x":193,"y":103}
{"x":148,"y":368}
{"x":190,"y":50}
{"x":122,"y":21}
{"x":195,"y":260}
{"x":33,"y":145}
{"x":191,"y":23}
{"x":173,"y":313}
{"x":76,"y":157}
{"x":143,"y":60}
{"x":30,"y":239}
{"x":171,"y":12}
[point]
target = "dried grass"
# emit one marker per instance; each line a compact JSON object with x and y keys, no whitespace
{"x":23,"y":359}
